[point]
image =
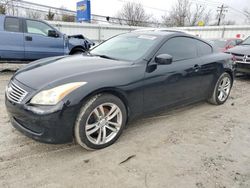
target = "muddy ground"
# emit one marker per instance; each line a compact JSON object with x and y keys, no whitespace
{"x":199,"y":146}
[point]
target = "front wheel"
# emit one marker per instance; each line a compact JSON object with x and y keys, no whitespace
{"x":100,"y":122}
{"x":221,"y":90}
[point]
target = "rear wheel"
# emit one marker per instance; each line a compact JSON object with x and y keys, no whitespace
{"x":100,"y":122}
{"x":221,"y":90}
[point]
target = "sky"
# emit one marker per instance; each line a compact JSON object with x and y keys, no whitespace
{"x":157,"y":8}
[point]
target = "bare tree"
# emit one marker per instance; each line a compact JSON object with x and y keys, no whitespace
{"x":197,"y":14}
{"x":65,"y":16}
{"x":133,"y":14}
{"x":33,"y":14}
{"x":179,"y":14}
{"x":68,"y":18}
{"x":184,"y":13}
{"x":247,"y":13}
{"x":9,"y":7}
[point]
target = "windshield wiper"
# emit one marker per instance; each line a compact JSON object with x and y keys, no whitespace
{"x":244,"y":44}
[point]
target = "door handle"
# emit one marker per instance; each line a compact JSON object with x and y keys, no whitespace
{"x":28,"y":38}
{"x":196,"y":68}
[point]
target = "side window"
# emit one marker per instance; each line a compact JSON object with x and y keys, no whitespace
{"x":238,"y":41}
{"x":37,"y":27}
{"x":12,"y":24}
{"x":180,"y":48}
{"x":203,"y":48}
{"x":232,"y":43}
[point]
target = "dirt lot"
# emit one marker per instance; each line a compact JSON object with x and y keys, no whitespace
{"x":198,"y":146}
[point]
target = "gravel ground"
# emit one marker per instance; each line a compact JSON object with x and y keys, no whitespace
{"x":199,"y":146}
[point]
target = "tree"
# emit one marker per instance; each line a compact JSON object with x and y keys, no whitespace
{"x":184,"y":13}
{"x":133,"y":14}
{"x":9,"y":7}
{"x":2,"y":9}
{"x":33,"y":14}
{"x":228,"y":22}
{"x":179,"y":14}
{"x":50,"y":15}
{"x":197,"y":14}
{"x":68,"y":18}
{"x":247,"y":13}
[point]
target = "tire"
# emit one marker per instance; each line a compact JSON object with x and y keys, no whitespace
{"x":77,"y":51}
{"x":93,"y":128}
{"x":217,"y":97}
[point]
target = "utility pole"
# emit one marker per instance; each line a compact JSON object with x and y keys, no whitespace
{"x":221,"y":10}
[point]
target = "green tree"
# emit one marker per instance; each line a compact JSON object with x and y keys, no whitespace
{"x":50,"y":15}
{"x":2,"y":9}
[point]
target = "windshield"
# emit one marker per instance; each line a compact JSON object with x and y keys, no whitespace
{"x":246,"y":41}
{"x":219,"y":43}
{"x":128,"y":47}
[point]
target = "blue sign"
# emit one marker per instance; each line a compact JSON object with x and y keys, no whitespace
{"x":83,"y":11}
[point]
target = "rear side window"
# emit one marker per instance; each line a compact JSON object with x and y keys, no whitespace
{"x":180,"y":48}
{"x":203,"y":48}
{"x":12,"y":24}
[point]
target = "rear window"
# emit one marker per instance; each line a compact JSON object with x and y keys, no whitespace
{"x":12,"y":25}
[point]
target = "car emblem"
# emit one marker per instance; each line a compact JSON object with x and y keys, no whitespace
{"x":245,"y":58}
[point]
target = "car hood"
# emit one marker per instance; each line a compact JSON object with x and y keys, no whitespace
{"x":43,"y":72}
{"x":242,"y":49}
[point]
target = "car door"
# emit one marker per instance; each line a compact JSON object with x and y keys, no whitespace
{"x":38,"y":43}
{"x":209,"y":68}
{"x":12,"y":40}
{"x":177,"y":82}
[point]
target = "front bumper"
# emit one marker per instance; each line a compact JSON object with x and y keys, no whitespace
{"x":243,"y":67}
{"x":41,"y":123}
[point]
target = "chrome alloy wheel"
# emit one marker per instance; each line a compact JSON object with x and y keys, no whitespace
{"x":103,"y":123}
{"x":224,"y":89}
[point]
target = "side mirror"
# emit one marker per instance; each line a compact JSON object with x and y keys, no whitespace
{"x":53,"y":33}
{"x":164,"y":59}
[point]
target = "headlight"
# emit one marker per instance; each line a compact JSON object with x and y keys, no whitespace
{"x":54,"y":95}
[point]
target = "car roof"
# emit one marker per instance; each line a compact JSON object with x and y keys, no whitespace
{"x":224,"y":39}
{"x":164,"y":30}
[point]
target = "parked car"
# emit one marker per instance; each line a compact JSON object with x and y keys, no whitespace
{"x":92,"y":97}
{"x":23,"y":39}
{"x":225,"y":44}
{"x":241,"y":55}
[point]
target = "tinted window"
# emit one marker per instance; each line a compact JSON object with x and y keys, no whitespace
{"x":203,"y":48}
{"x":38,"y":27}
{"x":12,"y":24}
{"x":232,"y":43}
{"x":238,"y":41}
{"x":180,"y":48}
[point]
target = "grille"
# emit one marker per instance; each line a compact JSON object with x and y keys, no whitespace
{"x":15,"y":93}
{"x":240,"y":58}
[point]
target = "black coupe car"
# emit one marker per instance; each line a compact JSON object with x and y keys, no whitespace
{"x":92,"y":97}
